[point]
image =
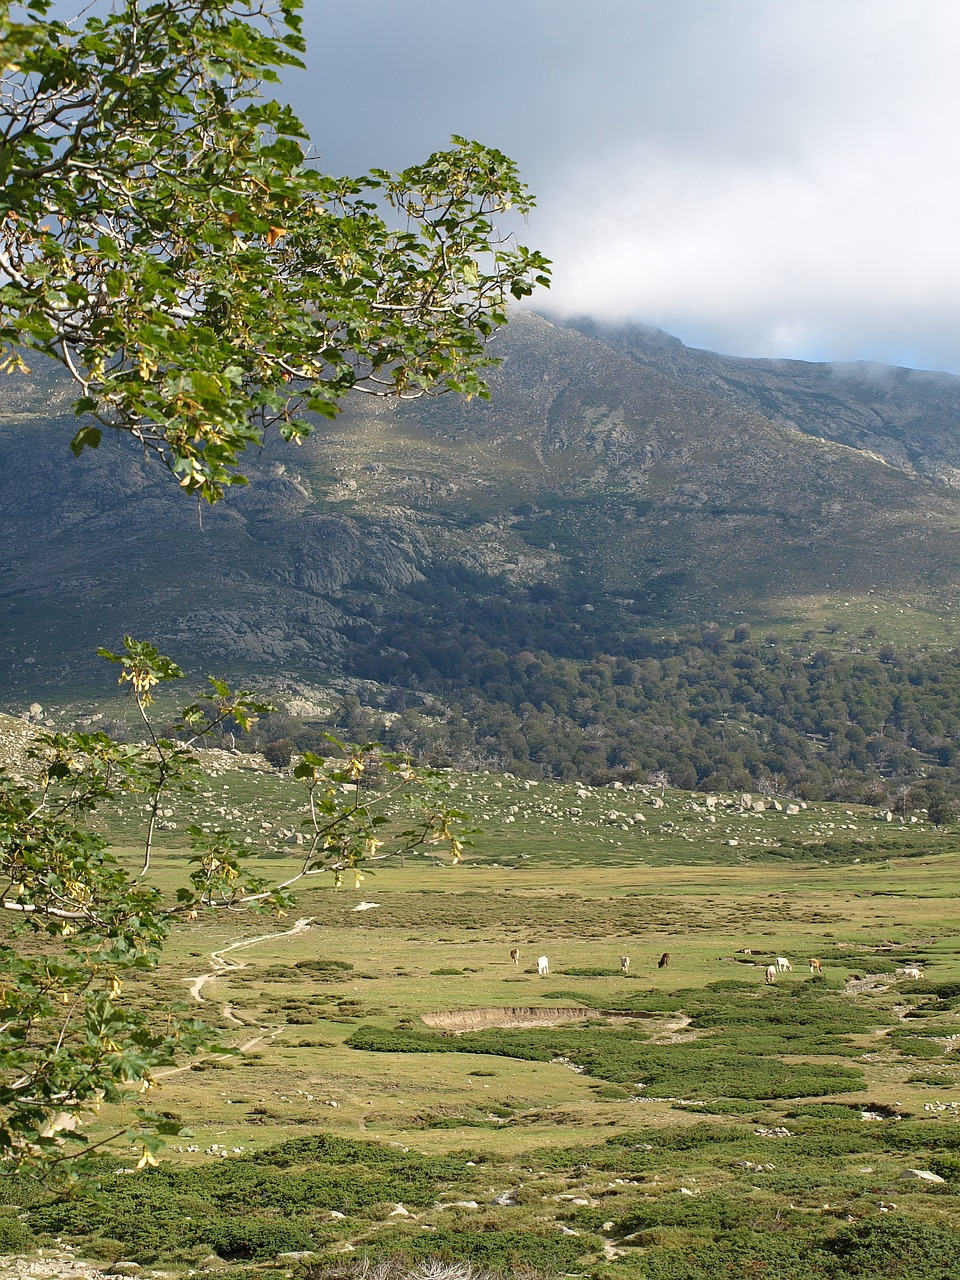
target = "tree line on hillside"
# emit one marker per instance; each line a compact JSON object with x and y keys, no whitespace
{"x":533,"y":683}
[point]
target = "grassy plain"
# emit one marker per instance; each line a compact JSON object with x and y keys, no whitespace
{"x":673,"y":1123}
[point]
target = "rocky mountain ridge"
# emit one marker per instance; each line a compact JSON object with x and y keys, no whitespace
{"x":909,"y":418}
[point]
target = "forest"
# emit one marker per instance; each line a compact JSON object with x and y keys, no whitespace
{"x":480,"y":673}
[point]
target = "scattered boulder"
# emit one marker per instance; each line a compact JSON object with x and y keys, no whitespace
{"x":922,"y":1175}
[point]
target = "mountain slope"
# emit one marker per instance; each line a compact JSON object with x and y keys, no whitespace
{"x":625,"y":493}
{"x":908,"y":417}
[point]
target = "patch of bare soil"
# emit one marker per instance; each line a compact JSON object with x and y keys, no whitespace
{"x":673,"y":1032}
{"x":514,"y":1016}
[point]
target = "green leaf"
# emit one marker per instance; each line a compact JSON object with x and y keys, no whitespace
{"x":86,"y":438}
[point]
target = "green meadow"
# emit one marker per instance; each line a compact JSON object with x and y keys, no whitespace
{"x":392,"y":1085}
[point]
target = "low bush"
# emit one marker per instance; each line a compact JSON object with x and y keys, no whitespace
{"x":943,"y":989}
{"x":323,"y":966}
{"x":285,"y":1194}
{"x":920,"y":1135}
{"x":834,"y":1111}
{"x":946,"y":1166}
{"x":713,"y":1209}
{"x":593,"y":973}
{"x":914,"y":1046}
{"x":15,"y":1236}
{"x":514,"y":1250}
{"x":774,"y":1251}
{"x":896,"y":1246}
{"x":249,"y":1239}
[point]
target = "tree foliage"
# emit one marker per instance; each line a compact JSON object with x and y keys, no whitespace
{"x":531,"y":683}
{"x":76,"y":922}
{"x":167,"y":236}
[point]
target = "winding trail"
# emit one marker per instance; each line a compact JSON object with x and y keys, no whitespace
{"x":220,"y":966}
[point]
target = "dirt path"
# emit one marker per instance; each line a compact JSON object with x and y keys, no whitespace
{"x":221,"y":966}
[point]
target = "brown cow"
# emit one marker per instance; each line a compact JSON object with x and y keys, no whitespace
{"x":515,"y":954}
{"x":815,"y":965}
{"x":664,"y":960}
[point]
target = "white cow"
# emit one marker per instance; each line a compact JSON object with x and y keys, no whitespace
{"x":624,"y":964}
{"x":784,"y":965}
{"x":771,"y":975}
{"x":911,"y":971}
{"x":543,"y":966}
{"x":515,"y":954}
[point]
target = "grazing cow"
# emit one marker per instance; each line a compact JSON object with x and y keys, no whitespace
{"x":624,"y":964}
{"x":515,"y":954}
{"x":543,"y":966}
{"x":784,"y":965}
{"x":664,"y":960}
{"x":771,"y":976}
{"x":815,"y":965}
{"x":911,"y":971}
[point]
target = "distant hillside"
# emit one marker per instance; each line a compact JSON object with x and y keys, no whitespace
{"x":908,"y":417}
{"x":625,"y":479}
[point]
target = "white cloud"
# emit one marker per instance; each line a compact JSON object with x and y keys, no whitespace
{"x":843,"y":241}
{"x":761,"y":176}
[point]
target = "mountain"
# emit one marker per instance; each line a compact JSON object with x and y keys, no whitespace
{"x":910,"y":418}
{"x":616,"y":481}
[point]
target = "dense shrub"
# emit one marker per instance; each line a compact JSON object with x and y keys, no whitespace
{"x":739,"y":1255}
{"x":246,"y":1238}
{"x":917,"y":1135}
{"x":833,"y":1111}
{"x":947,"y":1167}
{"x":899,"y":1247}
{"x":516,"y":1250}
{"x":914,"y":1046}
{"x":15,"y":1236}
{"x":170,"y":1212}
{"x":944,"y":990}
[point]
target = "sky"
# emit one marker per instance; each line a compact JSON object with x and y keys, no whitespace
{"x":759,"y":177}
